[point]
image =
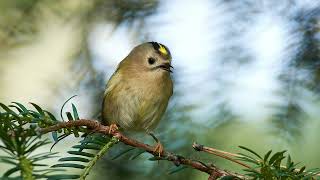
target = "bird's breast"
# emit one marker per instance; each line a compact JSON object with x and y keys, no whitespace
{"x":146,"y":103}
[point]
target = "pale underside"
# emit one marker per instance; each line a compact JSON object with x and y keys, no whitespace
{"x":136,"y":103}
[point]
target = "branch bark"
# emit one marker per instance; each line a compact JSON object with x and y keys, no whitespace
{"x":95,"y":126}
{"x":222,"y":154}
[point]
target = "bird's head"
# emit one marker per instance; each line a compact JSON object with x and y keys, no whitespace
{"x":150,"y":57}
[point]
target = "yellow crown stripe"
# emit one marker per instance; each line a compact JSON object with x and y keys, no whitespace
{"x":163,"y":50}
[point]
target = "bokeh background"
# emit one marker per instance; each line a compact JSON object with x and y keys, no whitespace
{"x":246,"y":72}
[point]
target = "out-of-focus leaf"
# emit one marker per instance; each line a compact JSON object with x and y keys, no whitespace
{"x":55,"y":136}
{"x":247,"y":149}
{"x":87,"y":146}
{"x":252,"y":171}
{"x":24,"y":109}
{"x":78,"y":166}
{"x":45,"y":156}
{"x":66,"y":176}
{"x":36,"y":145}
{"x":276,"y":156}
{"x":61,"y":110}
{"x":14,"y":106}
{"x":75,"y":112}
{"x":267,"y":156}
{"x":38,"y":108}
{"x":7,"y":109}
{"x":35,"y":114}
{"x":137,"y":154}
{"x":41,"y":165}
{"x":122,"y":153}
{"x":81,"y":153}
{"x":92,"y":141}
{"x":154,"y":158}
{"x":176,"y":169}
{"x":229,"y":178}
{"x":11,"y":171}
{"x":302,"y":169}
{"x":289,"y":163}
{"x":59,"y":139}
{"x":9,"y":161}
{"x":248,"y":160}
{"x":74,"y":159}
{"x":52,"y":117}
{"x":69,"y":116}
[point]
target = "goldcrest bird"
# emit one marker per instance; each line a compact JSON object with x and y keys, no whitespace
{"x":138,"y":92}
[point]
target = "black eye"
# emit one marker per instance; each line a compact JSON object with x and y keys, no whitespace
{"x":151,"y":60}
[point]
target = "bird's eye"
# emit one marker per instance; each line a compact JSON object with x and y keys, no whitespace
{"x":151,"y":60}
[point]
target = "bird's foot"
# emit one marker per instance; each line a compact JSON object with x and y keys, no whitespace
{"x":158,"y":149}
{"x":113,"y":128}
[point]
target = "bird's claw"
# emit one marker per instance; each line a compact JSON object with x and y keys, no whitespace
{"x":113,"y":128}
{"x":158,"y":149}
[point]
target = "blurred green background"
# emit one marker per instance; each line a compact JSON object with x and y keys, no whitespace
{"x":246,"y":72}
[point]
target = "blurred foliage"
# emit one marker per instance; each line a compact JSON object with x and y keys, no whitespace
{"x":19,"y":20}
{"x":123,"y":11}
{"x":300,"y":77}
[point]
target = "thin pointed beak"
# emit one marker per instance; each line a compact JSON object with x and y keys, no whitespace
{"x":166,"y":67}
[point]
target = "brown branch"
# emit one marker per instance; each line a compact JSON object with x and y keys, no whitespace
{"x":214,"y":176}
{"x":95,"y":126}
{"x":220,"y":153}
{"x":217,"y":150}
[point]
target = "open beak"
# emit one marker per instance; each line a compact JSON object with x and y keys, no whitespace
{"x":166,"y":67}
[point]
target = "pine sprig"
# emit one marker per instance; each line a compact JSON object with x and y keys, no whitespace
{"x":271,"y":166}
{"x":20,"y":138}
{"x":21,"y":129}
{"x":20,"y":141}
{"x":98,"y":155}
{"x":83,"y":157}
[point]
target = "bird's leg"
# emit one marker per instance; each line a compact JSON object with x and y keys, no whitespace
{"x":113,"y":128}
{"x":158,"y":148}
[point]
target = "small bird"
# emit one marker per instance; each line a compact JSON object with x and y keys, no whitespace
{"x":138,"y":92}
